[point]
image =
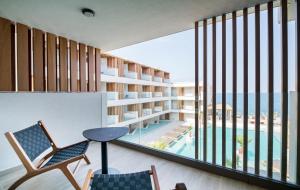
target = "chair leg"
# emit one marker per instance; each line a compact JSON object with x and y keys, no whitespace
{"x":19,"y":182}
{"x":70,"y":177}
{"x":86,"y":160}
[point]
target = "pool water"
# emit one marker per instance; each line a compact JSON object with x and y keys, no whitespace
{"x":186,"y":148}
{"x":139,"y":133}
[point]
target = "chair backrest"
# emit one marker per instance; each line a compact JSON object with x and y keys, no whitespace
{"x":133,"y":181}
{"x":33,"y":140}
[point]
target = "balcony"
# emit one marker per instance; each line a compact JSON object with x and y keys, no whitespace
{"x":112,"y":119}
{"x":112,"y":95}
{"x":157,"y":79}
{"x":146,"y":77}
{"x":130,"y":115}
{"x":130,"y":95}
{"x":146,"y":94}
{"x":158,"y":109}
{"x":147,"y":111}
{"x":130,"y":74}
{"x":158,"y":94}
{"x":110,"y":71}
{"x":167,"y":81}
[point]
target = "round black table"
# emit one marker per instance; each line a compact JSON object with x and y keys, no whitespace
{"x":105,"y":135}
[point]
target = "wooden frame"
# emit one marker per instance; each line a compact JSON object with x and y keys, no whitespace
{"x":36,"y":169}
{"x":90,"y":174}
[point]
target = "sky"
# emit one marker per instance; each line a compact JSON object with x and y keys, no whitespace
{"x":175,"y":54}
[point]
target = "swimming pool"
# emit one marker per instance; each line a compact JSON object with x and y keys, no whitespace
{"x":186,"y":148}
{"x":139,"y":133}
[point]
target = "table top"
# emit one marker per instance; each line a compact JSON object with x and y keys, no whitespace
{"x":105,"y":134}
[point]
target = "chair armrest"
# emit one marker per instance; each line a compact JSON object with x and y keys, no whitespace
{"x":87,"y":180}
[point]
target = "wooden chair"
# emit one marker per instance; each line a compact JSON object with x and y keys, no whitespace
{"x":33,"y":141}
{"x":132,"y":181}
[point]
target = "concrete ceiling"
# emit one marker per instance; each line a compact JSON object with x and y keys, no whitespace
{"x":117,"y":23}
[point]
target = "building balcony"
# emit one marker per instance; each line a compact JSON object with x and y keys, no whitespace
{"x":158,"y":109}
{"x":146,"y":77}
{"x":167,"y":81}
{"x":112,"y":95}
{"x":131,"y":95}
{"x":110,"y":71}
{"x":157,"y":79}
{"x":158,"y":94}
{"x":112,"y":119}
{"x":146,"y":94}
{"x":147,"y":111}
{"x":130,"y":74}
{"x":130,"y":115}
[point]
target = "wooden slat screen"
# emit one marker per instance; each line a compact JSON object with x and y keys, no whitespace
{"x":270,"y":90}
{"x":223,"y":90}
{"x":63,"y":64}
{"x":98,"y":69}
{"x":205,"y":90}
{"x":7,"y":56}
{"x":51,"y":63}
{"x":23,"y":57}
{"x":39,"y":82}
{"x":257,"y":89}
{"x":82,"y":67}
{"x":45,"y":62}
{"x":245,"y":90}
{"x":234,"y":88}
{"x":91,"y":69}
{"x":74,"y":66}
{"x":284,"y":89}
{"x":253,"y":146}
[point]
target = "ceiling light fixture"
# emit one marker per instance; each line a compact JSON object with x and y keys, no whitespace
{"x":88,"y":12}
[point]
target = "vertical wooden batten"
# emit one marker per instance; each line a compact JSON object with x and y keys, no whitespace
{"x":98,"y":69}
{"x":298,"y":90}
{"x":257,"y":89}
{"x":39,"y":83}
{"x":205,"y":90}
{"x":196,"y":90}
{"x":82,"y":67}
{"x":7,"y":55}
{"x":234,"y":88}
{"x":245,"y":92}
{"x":51,"y":63}
{"x":63,"y":64}
{"x":214,"y":68}
{"x":73,"y":66}
{"x":91,"y":69}
{"x":270,"y":90}
{"x":224,"y":90}
{"x":24,"y":57}
{"x":284,"y":89}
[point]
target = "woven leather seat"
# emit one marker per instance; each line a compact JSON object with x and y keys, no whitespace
{"x":67,"y":153}
{"x":132,"y":181}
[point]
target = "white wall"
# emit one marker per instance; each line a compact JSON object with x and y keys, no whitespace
{"x":65,"y":115}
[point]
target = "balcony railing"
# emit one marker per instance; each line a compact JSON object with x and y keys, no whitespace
{"x":146,"y":77}
{"x":112,"y":95}
{"x":130,"y":95}
{"x":158,"y":94}
{"x":110,"y":71}
{"x":147,"y":111}
{"x":130,"y":115}
{"x":130,"y":74}
{"x":146,"y":94}
{"x":158,"y":109}
{"x":112,"y":119}
{"x":157,"y":79}
{"x":167,"y":80}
